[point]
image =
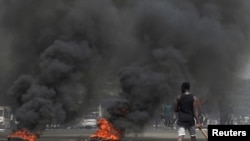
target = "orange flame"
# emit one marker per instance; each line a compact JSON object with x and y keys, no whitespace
{"x":23,"y":134}
{"x":107,"y":131}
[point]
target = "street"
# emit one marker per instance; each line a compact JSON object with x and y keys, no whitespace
{"x":83,"y":134}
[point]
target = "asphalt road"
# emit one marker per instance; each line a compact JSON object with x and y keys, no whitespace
{"x":83,"y":134}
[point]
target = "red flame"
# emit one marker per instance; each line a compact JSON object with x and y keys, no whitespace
{"x":107,"y":131}
{"x":23,"y":134}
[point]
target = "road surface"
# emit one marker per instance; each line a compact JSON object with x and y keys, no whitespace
{"x":83,"y":134}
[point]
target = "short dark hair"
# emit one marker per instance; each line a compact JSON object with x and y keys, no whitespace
{"x":185,"y":85}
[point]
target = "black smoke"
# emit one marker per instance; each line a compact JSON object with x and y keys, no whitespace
{"x":60,"y":53}
{"x":57,"y":92}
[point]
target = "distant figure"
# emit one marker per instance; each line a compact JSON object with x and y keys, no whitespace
{"x":186,"y":106}
{"x":168,"y":114}
{"x":202,"y":112}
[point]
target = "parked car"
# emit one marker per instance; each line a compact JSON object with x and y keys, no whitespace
{"x":89,"y":121}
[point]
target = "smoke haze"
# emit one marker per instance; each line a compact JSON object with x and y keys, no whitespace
{"x":55,"y":55}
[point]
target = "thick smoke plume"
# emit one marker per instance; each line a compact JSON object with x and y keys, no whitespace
{"x":56,"y":55}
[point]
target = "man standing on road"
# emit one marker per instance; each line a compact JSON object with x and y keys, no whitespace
{"x":186,"y":107}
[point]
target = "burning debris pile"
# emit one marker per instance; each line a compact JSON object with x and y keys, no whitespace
{"x":111,"y":128}
{"x":23,"y":135}
{"x":106,"y":132}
